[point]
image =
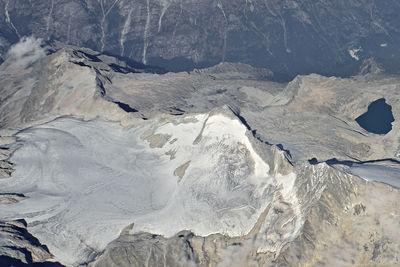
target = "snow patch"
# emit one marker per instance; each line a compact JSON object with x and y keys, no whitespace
{"x":378,"y":173}
{"x":125,"y":31}
{"x":146,"y":33}
{"x":8,"y":18}
{"x":353,"y":53}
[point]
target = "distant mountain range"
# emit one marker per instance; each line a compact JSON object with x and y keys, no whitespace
{"x":289,"y":37}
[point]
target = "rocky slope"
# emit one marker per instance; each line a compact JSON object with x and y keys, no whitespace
{"x":290,"y":37}
{"x":319,"y":112}
{"x":350,"y":223}
{"x":20,"y":248}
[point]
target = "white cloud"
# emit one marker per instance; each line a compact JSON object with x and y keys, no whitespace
{"x":27,"y":51}
{"x":239,"y":255}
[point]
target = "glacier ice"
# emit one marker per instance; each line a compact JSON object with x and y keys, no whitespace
{"x":85,"y":181}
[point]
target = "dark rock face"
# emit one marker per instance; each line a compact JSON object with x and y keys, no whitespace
{"x":20,"y":248}
{"x":289,"y":37}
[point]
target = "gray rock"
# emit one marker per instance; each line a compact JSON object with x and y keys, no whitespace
{"x":11,"y":198}
{"x":17,"y":243}
{"x":180,"y":171}
{"x":6,"y":169}
{"x":352,"y":224}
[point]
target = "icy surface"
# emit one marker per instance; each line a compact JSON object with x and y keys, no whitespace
{"x":86,"y":181}
{"x":378,"y":173}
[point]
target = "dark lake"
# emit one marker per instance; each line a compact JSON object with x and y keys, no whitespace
{"x":378,"y":119}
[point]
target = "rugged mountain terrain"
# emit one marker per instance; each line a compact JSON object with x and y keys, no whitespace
{"x":111,"y":164}
{"x":350,"y":222}
{"x":289,"y":37}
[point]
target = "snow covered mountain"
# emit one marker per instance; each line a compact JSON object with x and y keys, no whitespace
{"x":199,"y":172}
{"x":107,"y":164}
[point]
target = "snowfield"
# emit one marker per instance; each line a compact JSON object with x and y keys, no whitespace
{"x":371,"y":172}
{"x":87,"y":181}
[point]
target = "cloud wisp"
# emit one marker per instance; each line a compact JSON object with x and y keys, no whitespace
{"x":27,"y":51}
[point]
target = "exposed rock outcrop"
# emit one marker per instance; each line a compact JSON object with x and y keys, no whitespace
{"x":6,"y":169}
{"x":18,"y":246}
{"x":11,"y":198}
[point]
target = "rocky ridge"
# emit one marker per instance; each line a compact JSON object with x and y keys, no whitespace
{"x":17,"y":243}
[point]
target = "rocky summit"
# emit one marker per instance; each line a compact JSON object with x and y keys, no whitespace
{"x":199,"y":133}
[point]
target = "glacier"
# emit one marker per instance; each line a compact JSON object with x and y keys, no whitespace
{"x":87,"y":180}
